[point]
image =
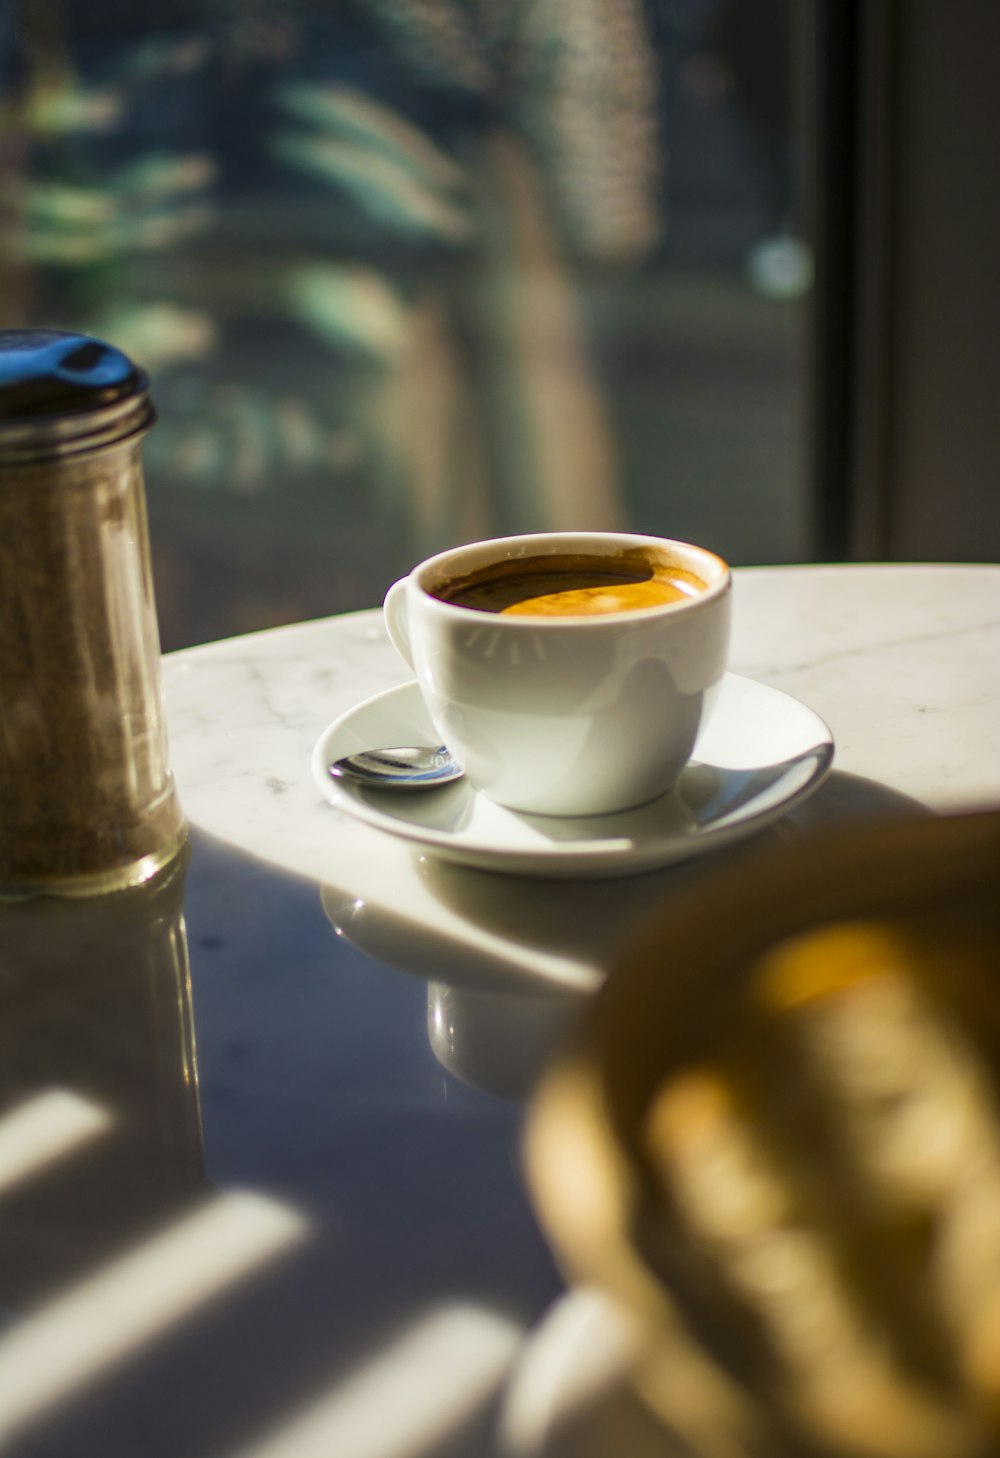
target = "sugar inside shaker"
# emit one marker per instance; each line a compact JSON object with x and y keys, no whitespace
{"x":87,"y":800}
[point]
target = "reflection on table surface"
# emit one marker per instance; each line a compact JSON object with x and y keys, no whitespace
{"x":265,"y":1256}
{"x":260,"y":1167}
{"x":97,"y":1057}
{"x":331,"y":1207}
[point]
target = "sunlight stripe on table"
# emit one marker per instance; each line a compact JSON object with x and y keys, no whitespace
{"x":580,"y":1351}
{"x":96,"y":1324}
{"x":425,"y":1384}
{"x":43,"y":1129}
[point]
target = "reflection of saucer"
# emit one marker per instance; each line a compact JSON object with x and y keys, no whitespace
{"x":761,"y":753}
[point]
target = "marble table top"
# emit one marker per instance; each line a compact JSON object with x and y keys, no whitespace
{"x":902,"y":662}
{"x":261,"y":1188}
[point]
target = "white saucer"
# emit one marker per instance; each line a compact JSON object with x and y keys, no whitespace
{"x":761,"y":753}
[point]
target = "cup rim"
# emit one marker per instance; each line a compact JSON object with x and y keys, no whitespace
{"x":523,"y":545}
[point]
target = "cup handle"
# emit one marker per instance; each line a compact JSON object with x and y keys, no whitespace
{"x":395,"y":617}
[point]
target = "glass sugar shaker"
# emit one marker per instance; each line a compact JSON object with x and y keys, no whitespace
{"x":87,"y":800}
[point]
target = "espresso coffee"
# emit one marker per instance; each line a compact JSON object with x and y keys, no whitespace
{"x":571,"y":586}
{"x":569,"y":673}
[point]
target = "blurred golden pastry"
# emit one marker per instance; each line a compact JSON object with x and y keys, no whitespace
{"x":832,"y":1173}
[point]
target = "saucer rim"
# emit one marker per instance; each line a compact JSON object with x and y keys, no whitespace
{"x":606,"y":857}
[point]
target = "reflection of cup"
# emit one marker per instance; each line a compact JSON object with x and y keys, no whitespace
{"x":571,"y":714}
{"x":97,"y":1010}
{"x":497,"y":1041}
{"x":494,"y":1024}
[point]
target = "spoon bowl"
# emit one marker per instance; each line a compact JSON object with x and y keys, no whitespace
{"x":400,"y":767}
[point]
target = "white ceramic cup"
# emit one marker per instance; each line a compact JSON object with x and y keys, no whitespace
{"x":565,"y":715}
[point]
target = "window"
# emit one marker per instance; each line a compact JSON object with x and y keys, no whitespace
{"x":408,"y":272}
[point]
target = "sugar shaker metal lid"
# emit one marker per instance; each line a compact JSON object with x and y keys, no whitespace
{"x":62,"y":392}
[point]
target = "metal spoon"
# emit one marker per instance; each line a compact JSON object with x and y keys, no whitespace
{"x":404,"y":767}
